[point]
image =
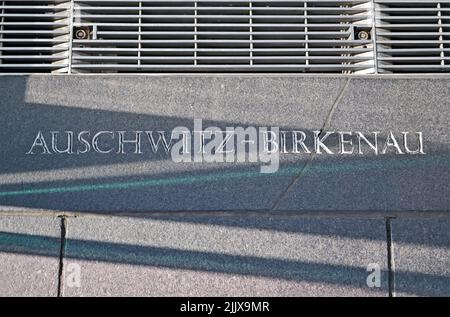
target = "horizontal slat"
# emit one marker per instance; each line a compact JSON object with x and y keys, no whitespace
{"x":41,"y":65}
{"x":176,"y":49}
{"x":220,"y":58}
{"x":276,"y":67}
{"x":271,"y":2}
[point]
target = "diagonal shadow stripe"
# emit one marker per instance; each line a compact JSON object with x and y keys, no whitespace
{"x":215,"y":262}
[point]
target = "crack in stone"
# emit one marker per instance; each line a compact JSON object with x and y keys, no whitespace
{"x":312,"y":156}
{"x":61,"y":255}
{"x":390,"y":257}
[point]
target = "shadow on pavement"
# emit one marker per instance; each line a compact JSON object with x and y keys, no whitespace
{"x":113,"y":183}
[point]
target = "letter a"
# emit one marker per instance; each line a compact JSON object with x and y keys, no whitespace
{"x":39,"y":141}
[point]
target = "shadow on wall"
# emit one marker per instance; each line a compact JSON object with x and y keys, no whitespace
{"x":126,"y":183}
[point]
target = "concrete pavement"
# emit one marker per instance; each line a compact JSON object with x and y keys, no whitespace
{"x":231,"y":254}
{"x":141,"y":183}
{"x":345,"y":225}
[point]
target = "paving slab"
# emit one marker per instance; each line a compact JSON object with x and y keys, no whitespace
{"x":389,"y":182}
{"x":29,"y":255}
{"x":101,"y":182}
{"x":219,"y":255}
{"x":138,"y":183}
{"x":421,"y":249}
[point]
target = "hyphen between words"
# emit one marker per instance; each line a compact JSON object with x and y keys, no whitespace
{"x":232,"y":145}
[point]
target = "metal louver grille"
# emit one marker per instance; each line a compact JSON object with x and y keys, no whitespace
{"x":34,"y":36}
{"x":237,"y":35}
{"x":413,"y":36}
{"x":311,"y":36}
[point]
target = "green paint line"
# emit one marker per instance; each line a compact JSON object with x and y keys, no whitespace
{"x":317,"y":167}
{"x":128,"y":185}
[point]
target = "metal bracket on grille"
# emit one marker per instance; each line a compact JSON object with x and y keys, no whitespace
{"x":362,"y":33}
{"x":82,"y":32}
